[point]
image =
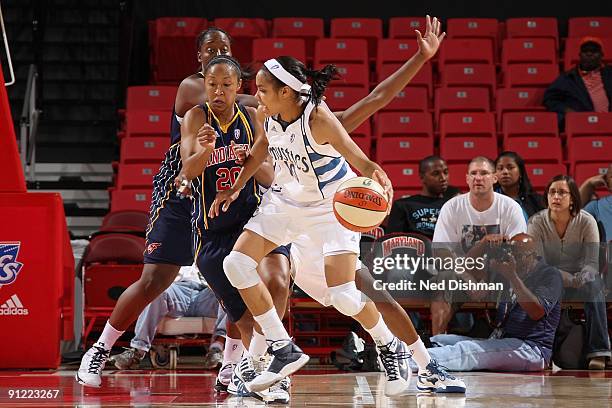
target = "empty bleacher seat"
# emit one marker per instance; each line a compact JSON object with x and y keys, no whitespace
{"x":589,"y":149}
{"x":132,"y":199}
{"x":395,"y":124}
{"x":243,"y":32}
{"x":467,"y":124}
{"x":530,"y":124}
{"x":125,"y":221}
{"x":150,"y":97}
{"x":472,"y":75}
{"x":590,"y":26}
{"x":583,"y":171}
{"x":369,"y":29}
{"x":336,"y":50}
{"x":481,"y":28}
{"x":464,"y":149}
{"x":404,"y":176}
{"x":352,"y":75}
{"x":409,"y":100}
{"x":137,"y":175}
{"x":172,"y":43}
{"x":403,"y":149}
{"x":266,"y":48}
{"x":147,"y":123}
{"x":526,"y":75}
{"x":341,"y":98}
{"x":143,"y":149}
{"x":423,"y":78}
{"x":518,"y":100}
{"x":466,"y":51}
{"x":306,"y":28}
{"x":588,"y":124}
{"x":533,"y":27}
{"x":529,"y":50}
{"x":463,"y":99}
{"x":541,"y":173}
{"x":536,"y":149}
{"x":403,"y":27}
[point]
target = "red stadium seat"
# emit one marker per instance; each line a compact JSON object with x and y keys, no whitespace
{"x":352,"y":75}
{"x":467,"y":124}
{"x":464,"y":99}
{"x":579,"y":124}
{"x":409,"y":100}
{"x":137,"y":199}
{"x":526,"y":75}
{"x":403,"y":149}
{"x":541,"y":173}
{"x":403,"y":27}
{"x":423,"y":78}
{"x":533,"y":27}
{"x":404,"y":176}
{"x":150,"y":97}
{"x":530,"y":124}
{"x":529,"y":51}
{"x":143,"y":149}
{"x":127,"y":221}
{"x":395,"y":124}
{"x":589,"y":149}
{"x":136,"y":175}
{"x":306,"y":28}
{"x":363,"y":137}
{"x":473,"y":75}
{"x":266,"y":48}
{"x":518,"y":100}
{"x":337,"y":51}
{"x":395,"y":51}
{"x":341,"y":98}
{"x":147,"y":123}
{"x":464,"y":149}
{"x":466,"y":51}
{"x":243,"y":32}
{"x":456,"y":175}
{"x":483,"y":28}
{"x":583,"y":171}
{"x":369,"y":29}
{"x":572,"y":51}
{"x":172,"y":42}
{"x":535,"y":149}
{"x":589,"y":26}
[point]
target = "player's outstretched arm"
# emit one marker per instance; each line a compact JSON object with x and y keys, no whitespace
{"x":197,"y":143}
{"x":428,"y":43}
{"x":258,"y":155}
{"x":327,"y":129}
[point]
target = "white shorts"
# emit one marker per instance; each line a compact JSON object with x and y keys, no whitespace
{"x":282,"y":223}
{"x":308,"y":270}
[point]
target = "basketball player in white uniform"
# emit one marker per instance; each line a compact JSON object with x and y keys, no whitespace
{"x":308,"y":145}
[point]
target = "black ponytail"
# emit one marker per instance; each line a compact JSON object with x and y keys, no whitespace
{"x":318,"y":79}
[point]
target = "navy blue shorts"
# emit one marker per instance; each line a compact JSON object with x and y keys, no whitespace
{"x":214,"y":247}
{"x":169,"y":236}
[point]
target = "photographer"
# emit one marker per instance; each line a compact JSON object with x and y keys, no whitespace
{"x":527,"y":316}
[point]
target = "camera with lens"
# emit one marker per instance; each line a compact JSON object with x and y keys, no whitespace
{"x":500,"y":252}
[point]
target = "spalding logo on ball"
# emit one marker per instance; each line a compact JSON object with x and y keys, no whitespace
{"x":360,"y":204}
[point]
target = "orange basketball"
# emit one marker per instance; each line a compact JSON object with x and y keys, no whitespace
{"x":360,"y":204}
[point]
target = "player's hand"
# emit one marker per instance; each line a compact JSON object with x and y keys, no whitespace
{"x":206,"y":136}
{"x":240,"y":151}
{"x":223,"y":200}
{"x":183,"y":186}
{"x":381,"y":178}
{"x":431,"y":40}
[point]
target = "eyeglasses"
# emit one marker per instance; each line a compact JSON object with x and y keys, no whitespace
{"x":560,"y":193}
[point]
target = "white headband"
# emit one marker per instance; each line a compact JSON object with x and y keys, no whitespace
{"x":285,"y":77}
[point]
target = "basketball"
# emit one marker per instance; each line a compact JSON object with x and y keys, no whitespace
{"x":360,"y":204}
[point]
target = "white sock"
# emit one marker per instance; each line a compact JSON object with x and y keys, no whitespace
{"x":258,"y":345}
{"x":232,"y":353}
{"x":272,"y":326}
{"x":420,"y":355}
{"x":380,"y":333}
{"x":109,"y":336}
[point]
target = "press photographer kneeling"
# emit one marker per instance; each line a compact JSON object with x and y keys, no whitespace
{"x":527,"y":316}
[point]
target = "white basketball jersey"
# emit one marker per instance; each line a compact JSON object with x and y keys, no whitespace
{"x":304,"y":171}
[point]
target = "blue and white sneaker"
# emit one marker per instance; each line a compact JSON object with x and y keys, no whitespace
{"x":393,"y":357}
{"x":224,"y":377}
{"x":249,"y":368}
{"x":287,"y":358}
{"x":434,"y":378}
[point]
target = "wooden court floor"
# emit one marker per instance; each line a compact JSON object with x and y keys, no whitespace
{"x":310,"y":388}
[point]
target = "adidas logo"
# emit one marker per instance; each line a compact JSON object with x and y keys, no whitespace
{"x":13,"y":306}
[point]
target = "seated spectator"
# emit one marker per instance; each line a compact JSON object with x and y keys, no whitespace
{"x":468,"y":223}
{"x":527,"y":317}
{"x":419,"y":213}
{"x":584,"y":88}
{"x":600,"y":209}
{"x":187,"y":296}
{"x":569,"y":241}
{"x":513,"y":181}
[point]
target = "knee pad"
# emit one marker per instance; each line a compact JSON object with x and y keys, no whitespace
{"x":347,"y":299}
{"x":241,"y":270}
